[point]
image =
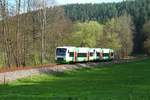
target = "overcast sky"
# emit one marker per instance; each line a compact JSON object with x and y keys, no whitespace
{"x":85,"y":1}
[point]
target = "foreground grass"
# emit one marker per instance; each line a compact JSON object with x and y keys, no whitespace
{"x":129,"y":81}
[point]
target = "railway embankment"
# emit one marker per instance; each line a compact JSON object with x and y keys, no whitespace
{"x":8,"y":76}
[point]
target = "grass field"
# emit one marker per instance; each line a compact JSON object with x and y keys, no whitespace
{"x":129,"y":81}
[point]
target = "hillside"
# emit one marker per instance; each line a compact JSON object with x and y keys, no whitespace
{"x":138,"y":9}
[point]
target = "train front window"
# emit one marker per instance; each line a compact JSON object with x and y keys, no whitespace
{"x":61,"y":51}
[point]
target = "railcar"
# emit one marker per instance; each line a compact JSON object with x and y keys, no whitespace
{"x":112,"y":54}
{"x":98,"y":54}
{"x":67,"y":54}
{"x":108,"y":54}
{"x":92,"y":54}
{"x":82,"y":54}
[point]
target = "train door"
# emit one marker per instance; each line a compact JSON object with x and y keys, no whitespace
{"x":101,"y":55}
{"x":75,"y":56}
{"x":88,"y":55}
{"x":94,"y":54}
{"x":110,"y":54}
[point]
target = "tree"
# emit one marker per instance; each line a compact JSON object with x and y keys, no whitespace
{"x":125,"y":29}
{"x":18,"y":42}
{"x":138,"y":9}
{"x":4,"y":32}
{"x":110,"y":38}
{"x":58,"y":31}
{"x":31,"y":34}
{"x":118,"y":34}
{"x":147,"y":46}
{"x":146,"y":30}
{"x":86,"y":34}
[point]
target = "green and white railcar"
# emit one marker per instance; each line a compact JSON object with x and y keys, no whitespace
{"x":98,"y":54}
{"x":69,"y":54}
{"x":106,"y":54}
{"x":82,"y":54}
{"x":92,"y":54}
{"x":111,"y":54}
{"x":65,"y":54}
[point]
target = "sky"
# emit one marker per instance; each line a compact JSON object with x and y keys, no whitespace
{"x":85,"y":1}
{"x":62,"y":2}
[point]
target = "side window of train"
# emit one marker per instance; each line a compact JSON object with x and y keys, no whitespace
{"x":105,"y":54}
{"x":112,"y":54}
{"x":91,"y":53}
{"x":82,"y":55}
{"x":93,"y":50}
{"x":97,"y":54}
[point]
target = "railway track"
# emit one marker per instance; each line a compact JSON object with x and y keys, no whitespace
{"x":11,"y":74}
{"x":11,"y":69}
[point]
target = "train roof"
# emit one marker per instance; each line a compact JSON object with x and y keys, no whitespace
{"x":83,"y":49}
{"x":87,"y":49}
{"x":66,"y":47}
{"x":106,"y":50}
{"x":95,"y":49}
{"x":92,"y":49}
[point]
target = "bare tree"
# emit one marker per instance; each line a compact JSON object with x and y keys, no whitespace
{"x":32,"y":31}
{"x":5,"y":40}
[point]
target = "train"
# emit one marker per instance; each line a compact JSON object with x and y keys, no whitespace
{"x":71,"y":54}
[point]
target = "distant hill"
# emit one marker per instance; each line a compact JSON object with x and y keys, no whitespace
{"x":138,"y":9}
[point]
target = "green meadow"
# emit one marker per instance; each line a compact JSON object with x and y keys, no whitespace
{"x":128,"y":81}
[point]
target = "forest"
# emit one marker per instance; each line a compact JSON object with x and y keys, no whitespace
{"x":32,"y":29}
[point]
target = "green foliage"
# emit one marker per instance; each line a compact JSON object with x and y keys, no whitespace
{"x":36,"y":58}
{"x":125,"y":29}
{"x":118,"y":35}
{"x":129,"y":81}
{"x":147,"y":45}
{"x":110,"y":38}
{"x":138,"y":9}
{"x":146,"y":30}
{"x":86,"y":34}
{"x":2,"y":60}
{"x":37,"y":37}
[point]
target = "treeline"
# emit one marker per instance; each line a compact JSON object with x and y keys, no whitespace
{"x":116,"y":33}
{"x":30,"y":38}
{"x":146,"y":31}
{"x":138,"y":9}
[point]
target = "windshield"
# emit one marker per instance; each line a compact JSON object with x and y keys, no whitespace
{"x":61,"y":51}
